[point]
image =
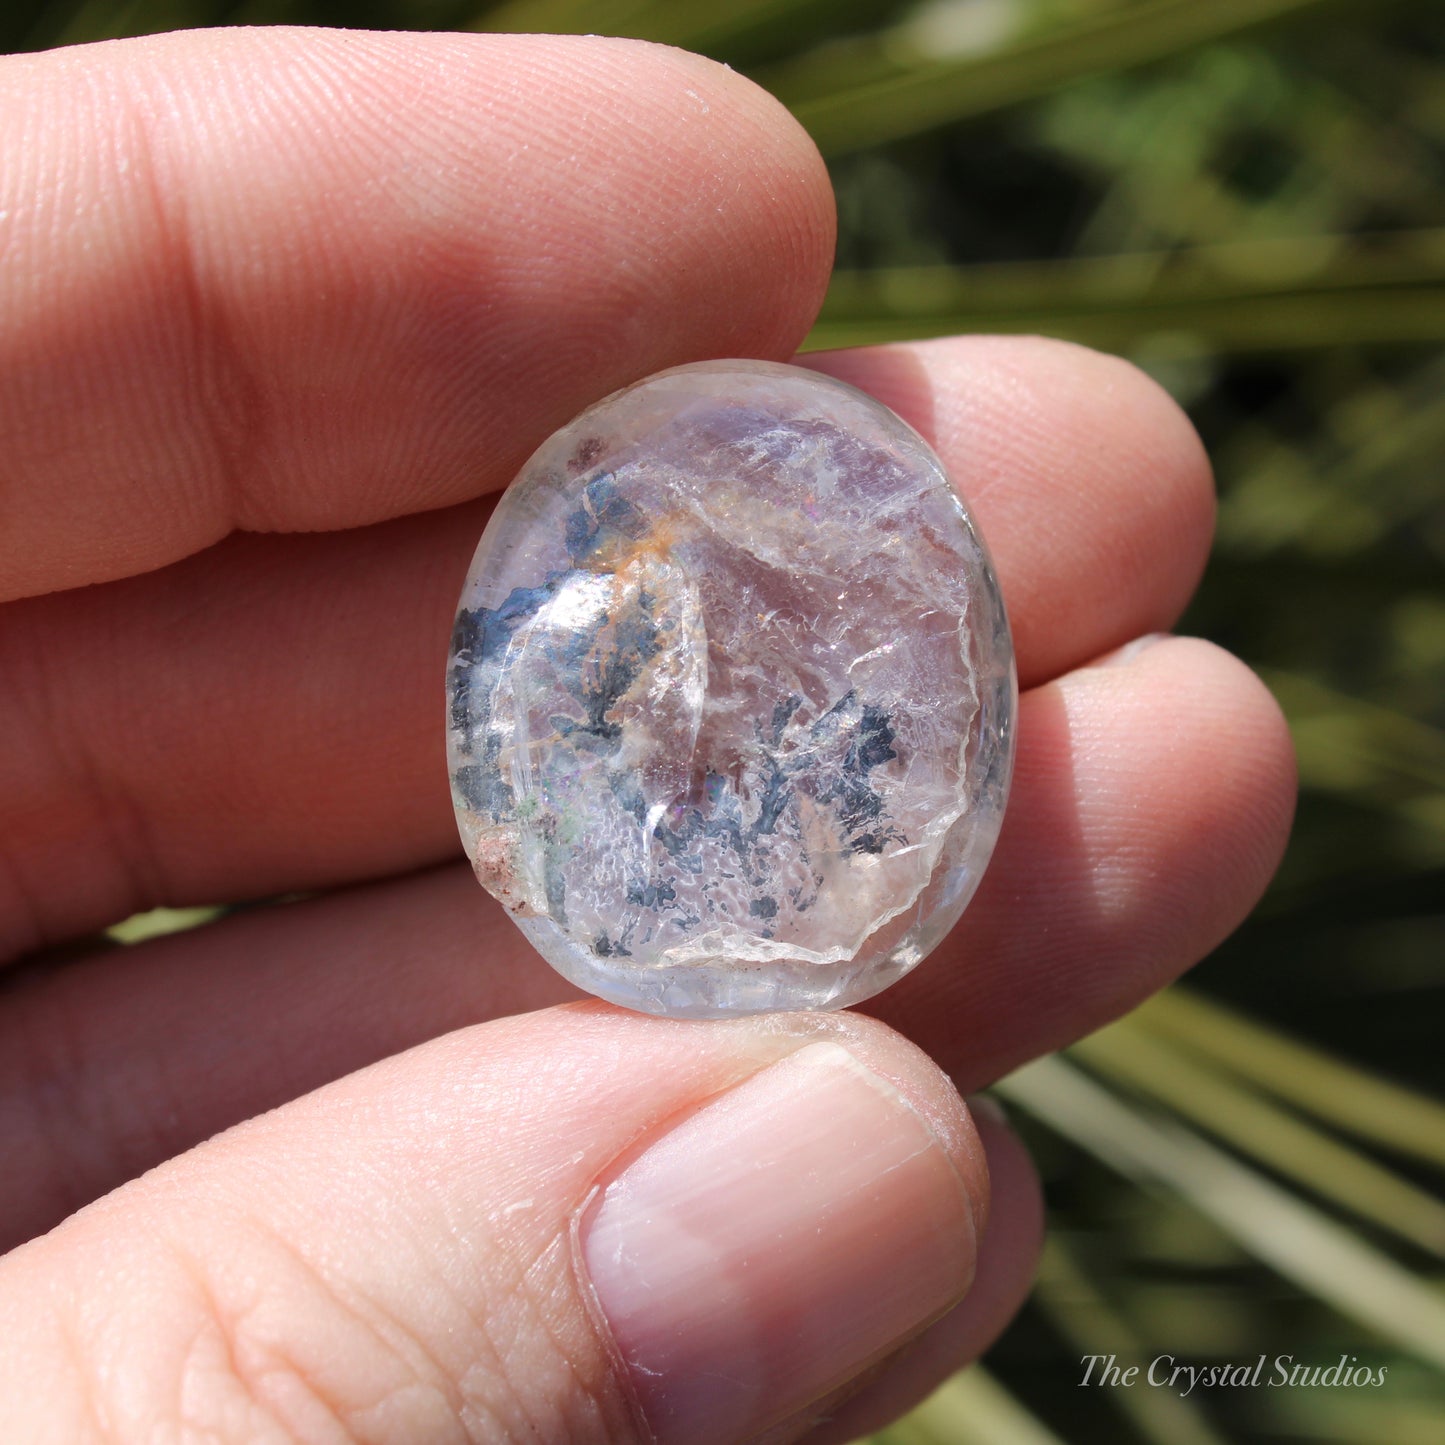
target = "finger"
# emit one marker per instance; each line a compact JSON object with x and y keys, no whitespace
{"x":271,"y":708}
{"x":1154,"y":798}
{"x":1150,"y":804}
{"x":272,"y":722}
{"x":1007,"y":1257}
{"x":1088,"y":481}
{"x":113,"y":1063}
{"x":581,"y":1224}
{"x":296,"y":279}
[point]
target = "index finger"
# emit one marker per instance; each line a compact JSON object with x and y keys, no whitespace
{"x":301,"y":279}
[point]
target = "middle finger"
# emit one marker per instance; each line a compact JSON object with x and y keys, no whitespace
{"x":266,"y":716}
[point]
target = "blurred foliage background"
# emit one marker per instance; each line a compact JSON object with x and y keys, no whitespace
{"x":1244,"y":197}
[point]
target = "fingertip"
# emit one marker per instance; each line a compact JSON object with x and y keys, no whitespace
{"x":478,"y":236}
{"x":722,"y":190}
{"x":787,"y":1236}
{"x":1087,"y":479}
{"x":1254,"y":772}
{"x":1195,"y":741}
{"x":1191,"y":722}
{"x":1151,"y":802}
{"x":798,"y":208}
{"x":1131,"y":500}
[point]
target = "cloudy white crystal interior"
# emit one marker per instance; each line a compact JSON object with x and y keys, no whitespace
{"x":731,"y":696}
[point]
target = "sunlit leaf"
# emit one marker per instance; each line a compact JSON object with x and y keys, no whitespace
{"x":971,"y":1408}
{"x":1342,"y":1094}
{"x":926,"y":94}
{"x":1302,"y":1244}
{"x":1128,"y":1054}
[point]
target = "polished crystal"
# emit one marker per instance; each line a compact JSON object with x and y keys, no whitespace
{"x":731,"y":696}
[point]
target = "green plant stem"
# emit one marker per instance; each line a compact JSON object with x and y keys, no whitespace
{"x":1129,"y":1054}
{"x":1286,"y":293}
{"x":1072,"y":1301}
{"x":971,"y":1408}
{"x":1298,"y":1241}
{"x":934,"y":93}
{"x":1329,"y":1088}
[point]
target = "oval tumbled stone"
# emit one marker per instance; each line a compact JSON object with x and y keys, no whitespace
{"x":731,"y":696}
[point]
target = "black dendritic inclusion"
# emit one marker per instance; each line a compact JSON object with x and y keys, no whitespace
{"x":602,"y":513}
{"x":860,"y":809}
{"x":865,"y":736}
{"x":600,"y":670}
{"x":831,"y":761}
{"x":479,"y":645}
{"x":856,"y":803}
{"x":596,"y":669}
{"x":480,"y":638}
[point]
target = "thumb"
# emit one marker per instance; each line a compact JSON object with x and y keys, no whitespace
{"x":573,"y":1225}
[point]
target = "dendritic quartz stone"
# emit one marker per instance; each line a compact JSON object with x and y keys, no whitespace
{"x":731,"y":696}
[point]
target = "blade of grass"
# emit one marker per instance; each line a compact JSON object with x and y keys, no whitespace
{"x":1127,"y":1053}
{"x":1296,"y":1240}
{"x":1317,"y":1416}
{"x":159,"y":921}
{"x":1349,"y":745}
{"x":1340,"y":1093}
{"x":937,"y":92}
{"x":970,"y":1408}
{"x":1271,"y":323}
{"x":1076,"y":1306}
{"x":1233,"y":270}
{"x":707,"y":28}
{"x":1295,"y":292}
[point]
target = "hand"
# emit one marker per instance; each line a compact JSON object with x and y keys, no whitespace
{"x":280,"y":312}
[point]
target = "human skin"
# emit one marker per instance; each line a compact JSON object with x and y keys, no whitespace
{"x":280,"y":313}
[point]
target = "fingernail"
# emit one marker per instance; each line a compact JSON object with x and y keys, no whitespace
{"x":775,"y":1244}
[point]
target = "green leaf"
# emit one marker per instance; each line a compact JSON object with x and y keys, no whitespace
{"x":1232,"y":1111}
{"x":1293,"y":292}
{"x":1078,"y":1307}
{"x":1303,"y":1245}
{"x":926,"y":94}
{"x":1341,"y":1094}
{"x":971,"y":1408}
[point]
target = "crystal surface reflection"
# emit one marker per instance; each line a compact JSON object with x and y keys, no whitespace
{"x":731,"y":696}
